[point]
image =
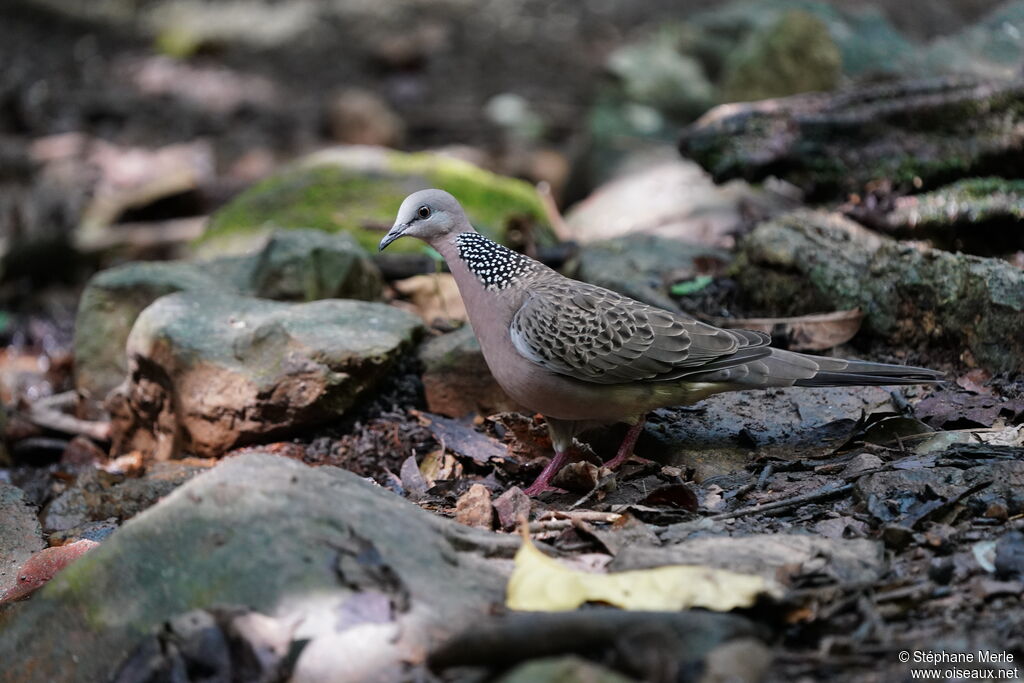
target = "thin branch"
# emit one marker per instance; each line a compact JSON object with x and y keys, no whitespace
{"x":48,"y":413}
{"x":823,"y":493}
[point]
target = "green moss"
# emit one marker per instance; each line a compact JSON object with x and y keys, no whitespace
{"x":983,"y":188}
{"x":795,"y":54}
{"x":360,"y":196}
{"x":970,"y":202}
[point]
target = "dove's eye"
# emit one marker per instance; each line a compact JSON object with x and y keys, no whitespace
{"x":423,"y":212}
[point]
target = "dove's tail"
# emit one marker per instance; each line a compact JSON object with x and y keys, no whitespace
{"x":822,"y":371}
{"x":779,"y":368}
{"x":862,"y":373}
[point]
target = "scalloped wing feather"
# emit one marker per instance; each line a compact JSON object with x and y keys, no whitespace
{"x":596,"y":335}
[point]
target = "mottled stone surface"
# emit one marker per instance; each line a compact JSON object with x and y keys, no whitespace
{"x":294,"y":265}
{"x":304,"y":545}
{"x":212,"y":371}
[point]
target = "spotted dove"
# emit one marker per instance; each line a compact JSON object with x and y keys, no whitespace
{"x":582,"y":355}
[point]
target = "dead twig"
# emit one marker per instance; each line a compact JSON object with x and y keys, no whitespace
{"x":823,"y":493}
{"x":539,"y":527}
{"x":581,"y":515}
{"x":48,"y":413}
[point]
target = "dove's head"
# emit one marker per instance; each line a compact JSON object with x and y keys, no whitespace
{"x":429,"y":215}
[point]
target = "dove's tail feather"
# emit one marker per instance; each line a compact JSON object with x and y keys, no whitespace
{"x":877,"y":374}
{"x":780,"y":368}
{"x":838,"y":372}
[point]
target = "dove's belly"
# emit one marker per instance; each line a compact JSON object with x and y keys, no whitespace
{"x":557,"y":396}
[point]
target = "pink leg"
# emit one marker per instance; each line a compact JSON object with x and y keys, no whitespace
{"x":543,"y":482}
{"x":626,"y":449}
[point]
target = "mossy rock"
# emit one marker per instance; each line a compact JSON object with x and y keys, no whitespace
{"x":795,"y":54}
{"x":868,"y":44}
{"x":359,"y":189}
{"x":983,"y":216}
{"x":914,"y":134}
{"x":925,"y":299}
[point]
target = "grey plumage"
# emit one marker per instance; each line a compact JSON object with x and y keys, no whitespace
{"x":579,"y":353}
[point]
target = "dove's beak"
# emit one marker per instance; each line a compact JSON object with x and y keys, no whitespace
{"x":393,"y":234}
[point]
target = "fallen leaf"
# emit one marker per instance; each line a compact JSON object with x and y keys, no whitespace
{"x":957,"y":409}
{"x":892,"y":430}
{"x":432,"y":466}
{"x":435,"y":297}
{"x":541,"y":584}
{"x":577,"y":476}
{"x":462,"y":439}
{"x":940,"y":441}
{"x":815,"y":332}
{"x":43,"y":566}
{"x":975,"y":380}
{"x":678,"y":496}
{"x":693,"y":286}
{"x":412,"y":479}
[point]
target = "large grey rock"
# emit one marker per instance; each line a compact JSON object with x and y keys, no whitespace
{"x":20,"y":534}
{"x":211,"y":371}
{"x":868,"y":43}
{"x":109,"y":306}
{"x":916,"y":297}
{"x":307,"y":265}
{"x":644,"y":266}
{"x":297,"y":265}
{"x":368,"y":578}
{"x":990,"y":47}
{"x":912,"y":133}
{"x":674,"y":198}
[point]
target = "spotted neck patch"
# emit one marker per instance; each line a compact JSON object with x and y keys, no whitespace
{"x":497,"y":267}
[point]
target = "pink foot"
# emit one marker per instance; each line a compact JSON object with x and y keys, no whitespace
{"x":626,"y":449}
{"x":543,"y":482}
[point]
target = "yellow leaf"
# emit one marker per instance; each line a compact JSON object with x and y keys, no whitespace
{"x":541,"y":584}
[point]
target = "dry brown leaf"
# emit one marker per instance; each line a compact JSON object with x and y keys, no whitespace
{"x":434,"y":296}
{"x":815,"y":332}
{"x":975,"y":380}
